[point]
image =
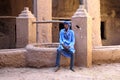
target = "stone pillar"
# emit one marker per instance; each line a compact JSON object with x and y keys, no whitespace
{"x":94,"y":12}
{"x":25,"y":29}
{"x":81,"y":24}
{"x":44,"y":12}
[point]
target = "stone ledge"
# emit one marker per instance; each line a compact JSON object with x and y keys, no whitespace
{"x":43,"y":56}
{"x":12,"y":58}
{"x":106,"y":54}
{"x":37,"y":57}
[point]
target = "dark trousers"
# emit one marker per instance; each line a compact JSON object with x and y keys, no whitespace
{"x":59,"y":53}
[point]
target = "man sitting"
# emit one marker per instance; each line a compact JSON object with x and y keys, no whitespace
{"x":66,"y":47}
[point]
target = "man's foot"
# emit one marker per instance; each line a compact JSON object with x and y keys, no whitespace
{"x":57,"y":68}
{"x":72,"y":69}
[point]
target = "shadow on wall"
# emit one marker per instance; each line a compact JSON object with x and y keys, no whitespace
{"x":4,"y":39}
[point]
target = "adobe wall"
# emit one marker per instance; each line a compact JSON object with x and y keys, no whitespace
{"x":110,"y":15}
{"x":18,"y":6}
{"x":25,"y":58}
{"x":93,"y":9}
{"x":64,"y":8}
{"x":106,"y":54}
{"x":7,"y":28}
{"x":112,"y":32}
{"x":43,"y":11}
{"x":110,"y":9}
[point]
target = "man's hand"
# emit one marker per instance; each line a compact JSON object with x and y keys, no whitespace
{"x":66,"y":47}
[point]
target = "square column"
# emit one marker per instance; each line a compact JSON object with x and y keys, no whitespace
{"x":25,"y":29}
{"x":93,"y":8}
{"x":43,"y":11}
{"x":81,"y":24}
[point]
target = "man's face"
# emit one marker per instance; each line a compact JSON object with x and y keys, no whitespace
{"x":66,"y":26}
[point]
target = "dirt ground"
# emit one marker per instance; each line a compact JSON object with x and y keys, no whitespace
{"x":97,"y":72}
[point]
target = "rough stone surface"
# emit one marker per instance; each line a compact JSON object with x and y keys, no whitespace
{"x":12,"y":58}
{"x":43,"y":57}
{"x":83,"y":37}
{"x":94,"y":12}
{"x":26,"y":33}
{"x":4,"y":41}
{"x":44,"y":12}
{"x":112,"y":31}
{"x":106,"y":54}
{"x":7,"y":33}
{"x":111,"y":18}
{"x":67,"y":10}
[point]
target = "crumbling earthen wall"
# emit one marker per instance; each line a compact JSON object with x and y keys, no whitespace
{"x":110,"y":15}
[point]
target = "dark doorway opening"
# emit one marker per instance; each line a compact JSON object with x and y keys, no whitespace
{"x":103,"y":33}
{"x":61,"y":25}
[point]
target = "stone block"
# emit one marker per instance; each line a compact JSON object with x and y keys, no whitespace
{"x":12,"y":58}
{"x":43,"y":56}
{"x":81,"y":23}
{"x":26,"y":33}
{"x":106,"y":54}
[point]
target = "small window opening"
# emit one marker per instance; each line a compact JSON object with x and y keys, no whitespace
{"x":103,"y":34}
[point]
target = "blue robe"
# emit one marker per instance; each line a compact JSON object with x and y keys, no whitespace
{"x":68,"y":39}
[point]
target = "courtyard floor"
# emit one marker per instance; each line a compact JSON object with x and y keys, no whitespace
{"x":97,"y":72}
